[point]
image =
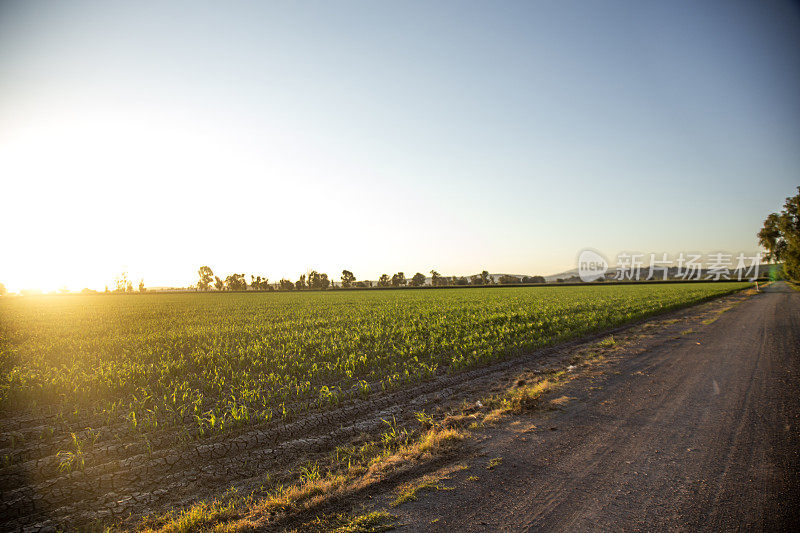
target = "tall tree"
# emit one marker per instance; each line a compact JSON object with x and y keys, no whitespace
{"x":398,"y":280}
{"x":286,"y":285}
{"x":121,"y":282}
{"x":771,"y":239}
{"x":206,"y":276}
{"x":219,"y":284}
{"x":485,"y":278}
{"x":436,"y":278}
{"x":384,"y":280}
{"x":236,"y":282}
{"x":300,"y":284}
{"x":418,"y":280}
{"x":257,"y":283}
{"x":318,"y":281}
{"x":347,"y":278}
{"x":780,"y":236}
{"x":142,"y":288}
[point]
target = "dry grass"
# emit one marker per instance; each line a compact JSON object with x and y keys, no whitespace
{"x":718,"y":313}
{"x":561,"y":401}
{"x":373,"y":522}
{"x":410,"y":491}
{"x":372,"y":464}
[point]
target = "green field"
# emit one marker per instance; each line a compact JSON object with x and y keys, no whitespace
{"x":210,"y":362}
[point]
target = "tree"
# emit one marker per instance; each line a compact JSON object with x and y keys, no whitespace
{"x":286,"y":285}
{"x":257,"y":283}
{"x":460,"y":280}
{"x":780,"y":236}
{"x":418,"y":280}
{"x":770,"y":238}
{"x":219,"y":284}
{"x":475,"y":280}
{"x":318,"y":281}
{"x":142,"y":288}
{"x":436,"y":278}
{"x":121,"y":283}
{"x":236,"y":282}
{"x":384,"y":280}
{"x":533,"y":279}
{"x":398,"y":280}
{"x":485,"y":278}
{"x":300,"y":284}
{"x":206,"y":278}
{"x":3,"y":290}
{"x":347,"y":278}
{"x":505,"y":279}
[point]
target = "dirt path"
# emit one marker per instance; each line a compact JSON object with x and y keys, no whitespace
{"x":698,"y":433}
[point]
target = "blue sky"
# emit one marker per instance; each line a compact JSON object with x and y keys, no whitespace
{"x":271,"y":138}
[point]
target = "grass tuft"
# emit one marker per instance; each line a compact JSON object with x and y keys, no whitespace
{"x":409,"y":492}
{"x":494,"y":463}
{"x":373,"y":522}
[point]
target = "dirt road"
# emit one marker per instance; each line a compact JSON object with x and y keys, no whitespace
{"x":699,"y":433}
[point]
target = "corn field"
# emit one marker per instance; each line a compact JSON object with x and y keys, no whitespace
{"x":211,"y":362}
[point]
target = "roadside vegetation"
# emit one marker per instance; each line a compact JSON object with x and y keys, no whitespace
{"x":344,"y":472}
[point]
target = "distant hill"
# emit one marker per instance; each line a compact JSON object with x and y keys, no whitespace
{"x":562,"y":275}
{"x":672,"y":272}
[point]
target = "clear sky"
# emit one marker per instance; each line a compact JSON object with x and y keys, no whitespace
{"x":270,"y":138}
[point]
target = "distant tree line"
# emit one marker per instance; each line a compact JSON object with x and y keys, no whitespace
{"x":122,"y":285}
{"x":314,"y":280}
